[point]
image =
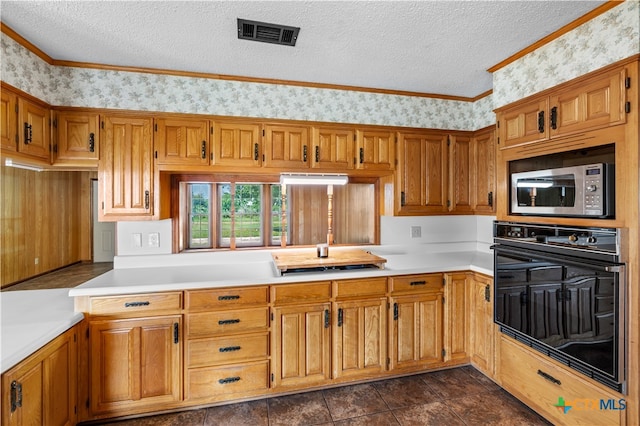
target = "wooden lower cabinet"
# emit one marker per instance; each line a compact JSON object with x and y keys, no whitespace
{"x":41,"y":390}
{"x":482,"y":330}
{"x":561,"y":396}
{"x":135,"y":365}
{"x":456,"y":311}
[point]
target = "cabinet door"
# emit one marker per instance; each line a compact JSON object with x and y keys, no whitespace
{"x":359,"y":338}
{"x":301,"y":343}
{"x":456,"y":312}
{"x":375,"y":150}
{"x":77,"y":134}
{"x":236,"y":144}
{"x":125,"y":169}
{"x":524,"y":123}
{"x":484,"y":166}
{"x":481,"y":325}
{"x":22,"y":396}
{"x":33,"y":129}
{"x":286,"y":146}
{"x":595,"y":103}
{"x":333,"y":148}
{"x":416,"y":331}
{"x":182,"y":141}
{"x":135,"y":363}
{"x":8,"y":129}
{"x":461,"y":176}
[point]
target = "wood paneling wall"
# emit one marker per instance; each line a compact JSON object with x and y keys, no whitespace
{"x":44,"y":216}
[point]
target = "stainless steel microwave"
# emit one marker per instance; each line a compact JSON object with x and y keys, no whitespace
{"x":578,"y":191}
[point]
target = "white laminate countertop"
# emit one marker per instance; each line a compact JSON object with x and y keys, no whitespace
{"x":31,"y":319}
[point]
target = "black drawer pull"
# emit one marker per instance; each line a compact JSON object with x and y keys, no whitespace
{"x":92,"y":142}
{"x":395,"y":311}
{"x":229,"y":380}
{"x":549,"y":377}
{"x":136,"y":304}
{"x":16,"y":395}
{"x":28,"y":133}
{"x":233,"y":297}
{"x":418,"y":283}
{"x":231,"y":321}
{"x":230,"y":349}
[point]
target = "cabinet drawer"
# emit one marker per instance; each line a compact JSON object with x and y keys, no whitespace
{"x":360,"y":288}
{"x":133,"y":303}
{"x":227,"y":322}
{"x":226,"y":298}
{"x":301,"y":293}
{"x":223,"y":350}
{"x":212,"y":383}
{"x":416,"y":283}
{"x":540,"y":383}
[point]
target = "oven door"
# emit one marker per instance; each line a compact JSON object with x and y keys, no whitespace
{"x":571,"y":309}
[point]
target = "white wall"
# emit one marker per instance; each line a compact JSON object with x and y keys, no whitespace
{"x":128,"y":235}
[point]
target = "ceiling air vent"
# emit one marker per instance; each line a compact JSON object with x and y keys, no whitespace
{"x":267,"y":33}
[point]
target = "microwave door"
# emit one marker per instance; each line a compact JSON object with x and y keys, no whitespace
{"x":551,"y":194}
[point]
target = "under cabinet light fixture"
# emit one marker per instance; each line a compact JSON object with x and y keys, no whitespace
{"x":9,"y":163}
{"x":313,"y":179}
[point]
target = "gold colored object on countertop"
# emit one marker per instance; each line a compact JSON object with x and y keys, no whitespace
{"x":338,"y":257}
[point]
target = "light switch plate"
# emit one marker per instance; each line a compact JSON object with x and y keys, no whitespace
{"x":416,"y":232}
{"x":154,"y":239}
{"x":136,"y":240}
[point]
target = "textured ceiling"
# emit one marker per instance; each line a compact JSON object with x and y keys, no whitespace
{"x":438,"y":47}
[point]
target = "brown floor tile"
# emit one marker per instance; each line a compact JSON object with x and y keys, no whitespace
{"x":354,"y":401}
{"x":479,"y":376}
{"x":434,"y":413}
{"x":183,"y":418}
{"x":453,"y":383}
{"x":494,"y":408}
{"x":379,"y":419}
{"x":405,"y":391}
{"x":253,"y":413}
{"x":300,"y":409}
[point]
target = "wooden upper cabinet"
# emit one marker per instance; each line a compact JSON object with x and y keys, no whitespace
{"x":34,"y":129}
{"x":182,"y":141}
{"x":484,"y":166}
{"x":77,"y":138}
{"x":422,"y":173}
{"x":461,"y":173}
{"x":375,"y":150}
{"x":524,"y":123}
{"x":597,"y":102}
{"x":286,"y":146}
{"x":236,"y":144}
{"x":333,"y":148}
{"x":8,"y":126}
{"x":125,"y":169}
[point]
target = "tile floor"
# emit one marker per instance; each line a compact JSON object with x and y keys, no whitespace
{"x":459,"y":396}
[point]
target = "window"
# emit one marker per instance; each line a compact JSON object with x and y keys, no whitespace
{"x":249,"y":214}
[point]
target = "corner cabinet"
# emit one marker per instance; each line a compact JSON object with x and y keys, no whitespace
{"x":125,"y":169}
{"x":25,"y":127}
{"x":482,"y":330}
{"x":41,"y":390}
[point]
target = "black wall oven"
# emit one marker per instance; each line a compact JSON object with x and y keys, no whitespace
{"x":560,"y":290}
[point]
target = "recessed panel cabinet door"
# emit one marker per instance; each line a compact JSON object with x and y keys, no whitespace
{"x":134,"y":363}
{"x":77,"y":136}
{"x":333,"y":148}
{"x":182,"y":141}
{"x":461,"y":177}
{"x":484,"y":163}
{"x":33,"y":129}
{"x":375,"y":150}
{"x":125,"y":169}
{"x":8,"y":105}
{"x":524,"y":123}
{"x":236,"y":144}
{"x":287,"y":147}
{"x":482,"y":332}
{"x":302,"y":345}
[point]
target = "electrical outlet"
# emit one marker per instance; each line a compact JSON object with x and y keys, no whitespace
{"x":136,"y":240}
{"x":416,"y":232}
{"x":154,"y":239}
{"x":37,"y":260}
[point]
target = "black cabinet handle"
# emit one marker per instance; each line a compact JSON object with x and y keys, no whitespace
{"x":229,"y":349}
{"x":340,"y":317}
{"x":304,"y":154}
{"x":203,"y":150}
{"x":28,"y":133}
{"x":490,"y":199}
{"x":92,"y":142}
{"x":136,"y":304}
{"x":146,"y":200}
{"x":418,"y":283}
{"x":256,"y":151}
{"x":229,"y":321}
{"x":16,"y":395}
{"x":361,"y":155}
{"x":541,"y":122}
{"x":395,"y":311}
{"x":176,"y":333}
{"x":327,"y":318}
{"x":230,"y":297}
{"x":487,"y":293}
{"x":317,"y":154}
{"x":549,"y":377}
{"x":402,"y":200}
{"x":554,"y":118}
{"x":229,"y":380}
